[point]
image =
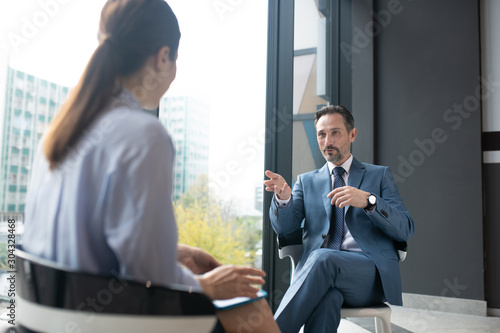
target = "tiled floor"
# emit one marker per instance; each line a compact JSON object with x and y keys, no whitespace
{"x":404,"y":320}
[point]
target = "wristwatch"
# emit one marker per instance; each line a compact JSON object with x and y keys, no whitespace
{"x":372,"y":201}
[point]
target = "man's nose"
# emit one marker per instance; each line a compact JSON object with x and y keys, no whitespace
{"x":329,"y":140}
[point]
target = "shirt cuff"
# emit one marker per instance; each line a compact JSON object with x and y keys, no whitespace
{"x":187,"y":278}
{"x":369,"y":211}
{"x":282,"y":203}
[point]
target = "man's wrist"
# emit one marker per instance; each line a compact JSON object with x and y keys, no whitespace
{"x":282,"y":199}
{"x":282,"y":203}
{"x":371,"y":202}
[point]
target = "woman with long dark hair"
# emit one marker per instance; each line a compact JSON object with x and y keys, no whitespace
{"x":100,"y":198}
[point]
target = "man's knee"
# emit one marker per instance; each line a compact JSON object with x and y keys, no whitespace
{"x":323,"y":260}
{"x":334,"y":298}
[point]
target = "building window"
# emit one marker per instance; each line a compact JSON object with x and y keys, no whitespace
{"x":12,"y":178}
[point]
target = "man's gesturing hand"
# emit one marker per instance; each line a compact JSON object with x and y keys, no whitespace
{"x":230,"y":281}
{"x":349,"y":196}
{"x":278,"y":185}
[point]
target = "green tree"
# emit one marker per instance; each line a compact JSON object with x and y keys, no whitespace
{"x":203,"y":222}
{"x":3,"y":257}
{"x":251,"y":233}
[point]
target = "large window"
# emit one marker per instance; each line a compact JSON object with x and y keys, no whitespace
{"x":214,"y":112}
{"x":309,"y":83}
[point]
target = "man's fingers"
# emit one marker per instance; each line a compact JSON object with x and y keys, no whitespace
{"x":337,"y":196}
{"x":270,"y":183}
{"x":334,"y":192}
{"x":273,"y":182}
{"x":341,"y":197}
{"x":277,"y":184}
{"x":348,"y":196}
{"x":271,"y":174}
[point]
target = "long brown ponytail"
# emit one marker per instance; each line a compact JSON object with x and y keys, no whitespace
{"x":130,"y":31}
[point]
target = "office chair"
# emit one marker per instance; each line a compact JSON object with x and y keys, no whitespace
{"x":290,"y":245}
{"x":55,"y":298}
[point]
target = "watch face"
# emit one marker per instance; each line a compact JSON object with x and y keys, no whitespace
{"x":372,"y":199}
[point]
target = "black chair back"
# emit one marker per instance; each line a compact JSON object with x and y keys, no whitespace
{"x":54,"y":286}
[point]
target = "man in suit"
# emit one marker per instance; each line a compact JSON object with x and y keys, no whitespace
{"x":349,"y":257}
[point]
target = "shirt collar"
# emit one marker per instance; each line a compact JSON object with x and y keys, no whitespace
{"x":129,"y":98}
{"x":346,"y":165}
{"x":124,"y":98}
{"x":151,"y":112}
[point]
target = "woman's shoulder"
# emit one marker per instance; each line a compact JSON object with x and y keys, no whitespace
{"x":127,"y":124}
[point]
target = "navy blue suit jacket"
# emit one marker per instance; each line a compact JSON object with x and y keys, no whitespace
{"x":375,"y":233}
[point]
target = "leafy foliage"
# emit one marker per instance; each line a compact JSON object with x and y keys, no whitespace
{"x":3,"y":257}
{"x":206,"y":223}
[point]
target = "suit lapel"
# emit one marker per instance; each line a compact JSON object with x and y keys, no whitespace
{"x":324,"y":182}
{"x":356,"y":174}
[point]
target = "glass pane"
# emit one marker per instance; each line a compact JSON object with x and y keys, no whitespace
{"x":214,"y":112}
{"x":308,"y":84}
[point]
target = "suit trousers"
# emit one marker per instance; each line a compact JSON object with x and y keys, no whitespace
{"x":328,"y":280}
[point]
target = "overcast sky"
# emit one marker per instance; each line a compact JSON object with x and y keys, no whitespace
{"x":222,"y":61}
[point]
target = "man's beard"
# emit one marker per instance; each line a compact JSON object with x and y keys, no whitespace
{"x":332,"y":157}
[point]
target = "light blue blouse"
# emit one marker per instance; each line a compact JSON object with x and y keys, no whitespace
{"x":107,"y":208}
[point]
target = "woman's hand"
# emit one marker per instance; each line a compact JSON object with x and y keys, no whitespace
{"x":230,"y":281}
{"x":197,"y":260}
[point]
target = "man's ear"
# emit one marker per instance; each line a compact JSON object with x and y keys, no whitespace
{"x":353,"y":134}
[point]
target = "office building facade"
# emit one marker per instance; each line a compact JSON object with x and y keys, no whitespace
{"x":188,"y":121}
{"x":28,"y":104}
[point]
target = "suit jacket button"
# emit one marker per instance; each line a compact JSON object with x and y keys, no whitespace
{"x":323,"y":235}
{"x":384,"y":213}
{"x":275,"y":213}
